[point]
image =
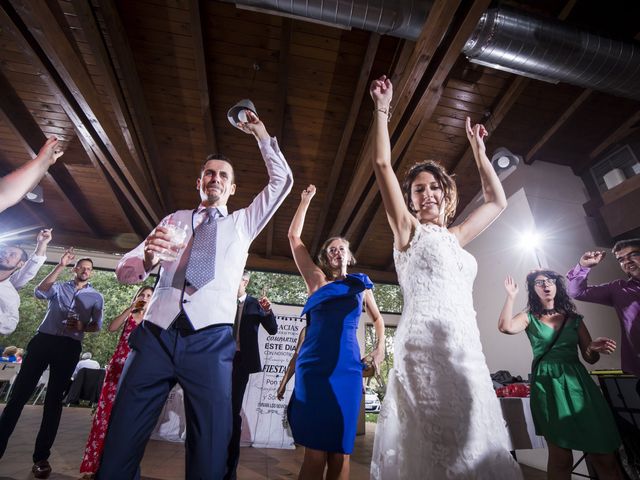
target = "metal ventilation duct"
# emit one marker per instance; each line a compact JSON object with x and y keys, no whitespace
{"x":549,"y":50}
{"x":398,"y":18}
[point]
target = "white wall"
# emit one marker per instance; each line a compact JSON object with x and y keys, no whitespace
{"x":548,"y":198}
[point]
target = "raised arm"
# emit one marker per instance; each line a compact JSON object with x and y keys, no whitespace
{"x":31,"y":267}
{"x":508,"y":323}
{"x":401,"y":221}
{"x":371,"y":308}
{"x":495,"y":200}
{"x":18,"y":183}
{"x":47,"y":282}
{"x":577,"y":285}
{"x":266,"y":203}
{"x":117,"y":322}
{"x":313,"y":276}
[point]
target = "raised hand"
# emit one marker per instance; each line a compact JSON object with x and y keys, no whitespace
{"x":592,"y":258}
{"x":381,"y":91}
{"x":44,"y":236}
{"x":50,"y":151}
{"x":511,"y":286}
{"x":67,"y":257}
{"x":253,"y":125}
{"x":265,"y":304}
{"x":308,"y":193}
{"x":476,"y":135}
{"x":603,"y":345}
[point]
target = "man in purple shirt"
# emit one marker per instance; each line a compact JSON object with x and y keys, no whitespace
{"x":622,"y":294}
{"x":74,"y":307}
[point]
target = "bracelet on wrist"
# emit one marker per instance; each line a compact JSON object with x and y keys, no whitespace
{"x":385,"y":110}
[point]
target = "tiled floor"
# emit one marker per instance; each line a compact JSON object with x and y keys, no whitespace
{"x":162,"y":460}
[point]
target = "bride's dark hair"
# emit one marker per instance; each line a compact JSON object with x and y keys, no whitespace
{"x":446,"y":181}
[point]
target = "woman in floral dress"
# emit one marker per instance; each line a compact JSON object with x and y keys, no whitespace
{"x":131,"y":318}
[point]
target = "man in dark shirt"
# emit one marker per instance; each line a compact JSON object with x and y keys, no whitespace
{"x":251,"y":314}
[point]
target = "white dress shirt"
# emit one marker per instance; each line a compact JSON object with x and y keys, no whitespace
{"x":216,"y":302}
{"x":88,"y":363}
{"x":9,"y":297}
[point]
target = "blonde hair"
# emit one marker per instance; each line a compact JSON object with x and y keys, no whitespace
{"x":323,"y":260}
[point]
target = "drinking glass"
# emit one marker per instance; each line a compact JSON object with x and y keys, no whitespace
{"x":177,"y":232}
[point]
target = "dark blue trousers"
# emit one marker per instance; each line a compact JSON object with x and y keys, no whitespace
{"x":201,"y":362}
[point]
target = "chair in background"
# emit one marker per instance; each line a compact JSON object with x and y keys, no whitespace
{"x":86,"y":386}
{"x":41,"y":388}
{"x":8,"y":373}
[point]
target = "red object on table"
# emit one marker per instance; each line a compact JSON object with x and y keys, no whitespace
{"x":517,"y":390}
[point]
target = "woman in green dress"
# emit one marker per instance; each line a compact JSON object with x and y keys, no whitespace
{"x":568,"y":408}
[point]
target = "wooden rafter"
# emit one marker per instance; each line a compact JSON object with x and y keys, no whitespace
{"x":35,"y":28}
{"x":529,"y":157}
{"x":441,"y":15}
{"x":507,"y":100}
{"x":281,"y":102}
{"x":202,"y":77}
{"x":130,"y":108}
{"x":627,"y":128}
{"x":505,"y":103}
{"x":426,"y":105}
{"x":354,"y":110}
{"x":18,"y":117}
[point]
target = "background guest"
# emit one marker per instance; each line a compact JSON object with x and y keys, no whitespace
{"x":622,"y":294}
{"x":325,"y":403}
{"x":568,"y":409}
{"x":74,"y":307}
{"x":16,"y":270}
{"x":251,"y":314}
{"x":130,"y":318}
{"x":86,"y":361}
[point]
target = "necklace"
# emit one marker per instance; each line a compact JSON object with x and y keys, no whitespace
{"x":549,"y":311}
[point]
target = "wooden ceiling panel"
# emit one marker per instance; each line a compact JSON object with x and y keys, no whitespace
{"x":166,"y":71}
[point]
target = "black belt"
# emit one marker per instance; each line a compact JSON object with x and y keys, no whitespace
{"x":157,"y":330}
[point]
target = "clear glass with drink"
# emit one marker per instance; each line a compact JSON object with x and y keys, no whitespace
{"x":177,"y":232}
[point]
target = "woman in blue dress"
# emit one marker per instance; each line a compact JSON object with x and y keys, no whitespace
{"x":324,"y":406}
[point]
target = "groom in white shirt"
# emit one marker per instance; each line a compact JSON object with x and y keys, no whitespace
{"x":186,"y":336}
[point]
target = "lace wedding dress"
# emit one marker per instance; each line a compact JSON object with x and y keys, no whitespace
{"x":440,"y":417}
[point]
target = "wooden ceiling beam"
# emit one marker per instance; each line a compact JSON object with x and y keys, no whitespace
{"x":34,"y":27}
{"x":202,"y":76}
{"x":125,"y":91}
{"x":281,"y":109}
{"x":529,"y":157}
{"x":440,"y":17}
{"x":287,"y":265}
{"x":18,"y":117}
{"x":507,"y":100}
{"x":420,"y":116}
{"x":345,"y":140}
{"x":627,"y":128}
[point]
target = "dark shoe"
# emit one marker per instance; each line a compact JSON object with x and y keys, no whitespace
{"x":41,"y":469}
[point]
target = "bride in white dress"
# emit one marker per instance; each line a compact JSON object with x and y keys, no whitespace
{"x":440,"y":418}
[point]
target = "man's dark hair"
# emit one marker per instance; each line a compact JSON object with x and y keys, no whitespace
{"x":631,"y":242}
{"x":84,"y":260}
{"x":217,"y":156}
